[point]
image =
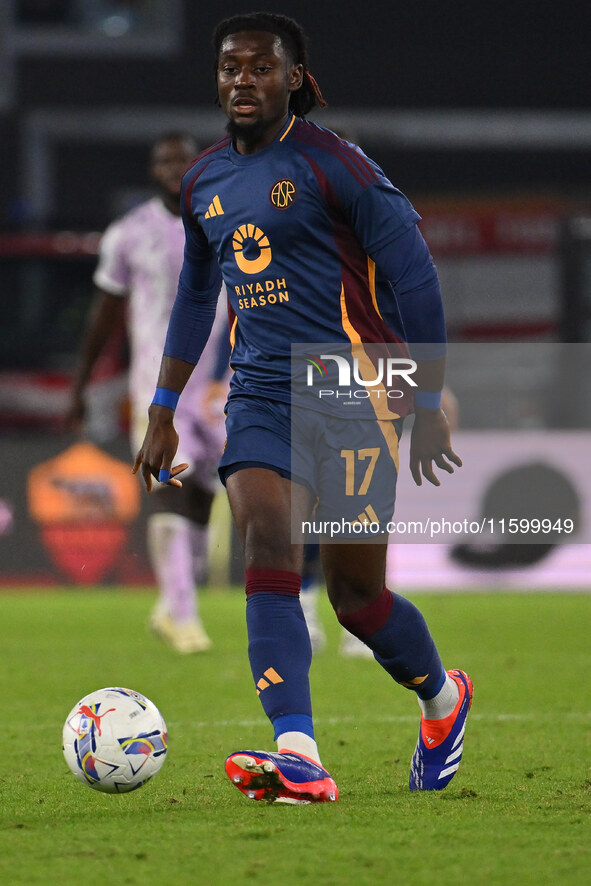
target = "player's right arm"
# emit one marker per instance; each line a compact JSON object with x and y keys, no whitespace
{"x":161,"y":441}
{"x":190,"y":324}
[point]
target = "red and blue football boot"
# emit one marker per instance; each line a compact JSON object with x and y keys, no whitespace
{"x":284,"y":777}
{"x":438,"y":752}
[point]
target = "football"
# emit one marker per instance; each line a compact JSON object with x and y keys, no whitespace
{"x":115,"y":740}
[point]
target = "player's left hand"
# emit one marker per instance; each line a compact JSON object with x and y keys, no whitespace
{"x":430,"y":442}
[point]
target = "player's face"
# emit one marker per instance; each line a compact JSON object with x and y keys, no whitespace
{"x":170,"y":161}
{"x":255,"y":77}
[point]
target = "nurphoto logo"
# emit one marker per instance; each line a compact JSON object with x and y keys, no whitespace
{"x":355,"y":377}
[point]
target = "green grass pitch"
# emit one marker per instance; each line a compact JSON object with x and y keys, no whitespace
{"x":516,"y":813}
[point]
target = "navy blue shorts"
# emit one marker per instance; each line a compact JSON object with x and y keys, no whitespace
{"x":350,"y":466}
{"x":258,"y":434}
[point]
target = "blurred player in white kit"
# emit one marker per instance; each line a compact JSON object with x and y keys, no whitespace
{"x":136,"y":281}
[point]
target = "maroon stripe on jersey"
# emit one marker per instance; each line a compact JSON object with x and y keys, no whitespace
{"x":189,"y":189}
{"x":355,"y":163}
{"x":332,"y":140}
{"x":335,"y":142}
{"x":354,"y":269}
{"x":216,"y":147}
{"x":363,"y":181}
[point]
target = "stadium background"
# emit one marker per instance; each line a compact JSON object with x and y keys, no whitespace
{"x":479,"y":113}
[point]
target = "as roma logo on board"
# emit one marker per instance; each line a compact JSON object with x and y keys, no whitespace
{"x":283,"y":193}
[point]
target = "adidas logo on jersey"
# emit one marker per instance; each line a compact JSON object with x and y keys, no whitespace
{"x":214,"y":208}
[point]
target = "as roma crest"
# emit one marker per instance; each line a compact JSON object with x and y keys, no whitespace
{"x":283,"y":193}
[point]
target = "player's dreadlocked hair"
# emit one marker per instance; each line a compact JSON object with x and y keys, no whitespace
{"x":294,"y":40}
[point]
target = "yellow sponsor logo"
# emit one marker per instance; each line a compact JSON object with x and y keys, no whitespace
{"x":245,"y":236}
{"x":262,"y":293}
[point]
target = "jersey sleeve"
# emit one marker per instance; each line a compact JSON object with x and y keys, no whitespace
{"x":112,"y":273}
{"x":381,"y":214}
{"x":385,"y":223}
{"x":194,"y":308}
{"x":407,"y":264}
{"x":378,"y":212}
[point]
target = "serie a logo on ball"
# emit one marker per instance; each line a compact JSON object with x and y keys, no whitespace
{"x":115,"y":740}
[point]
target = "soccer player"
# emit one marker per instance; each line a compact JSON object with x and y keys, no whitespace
{"x":315,"y":245}
{"x":136,"y":278}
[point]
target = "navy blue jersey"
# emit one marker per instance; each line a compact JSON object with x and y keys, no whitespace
{"x":296,"y":230}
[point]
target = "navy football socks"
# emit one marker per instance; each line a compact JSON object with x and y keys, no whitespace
{"x":279,"y":658}
{"x":397,"y":633}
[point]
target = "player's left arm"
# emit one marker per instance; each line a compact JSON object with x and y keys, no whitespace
{"x":406,"y":262}
{"x":386,"y":224}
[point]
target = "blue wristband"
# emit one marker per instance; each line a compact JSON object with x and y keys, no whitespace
{"x":165,"y":397}
{"x":428,"y":399}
